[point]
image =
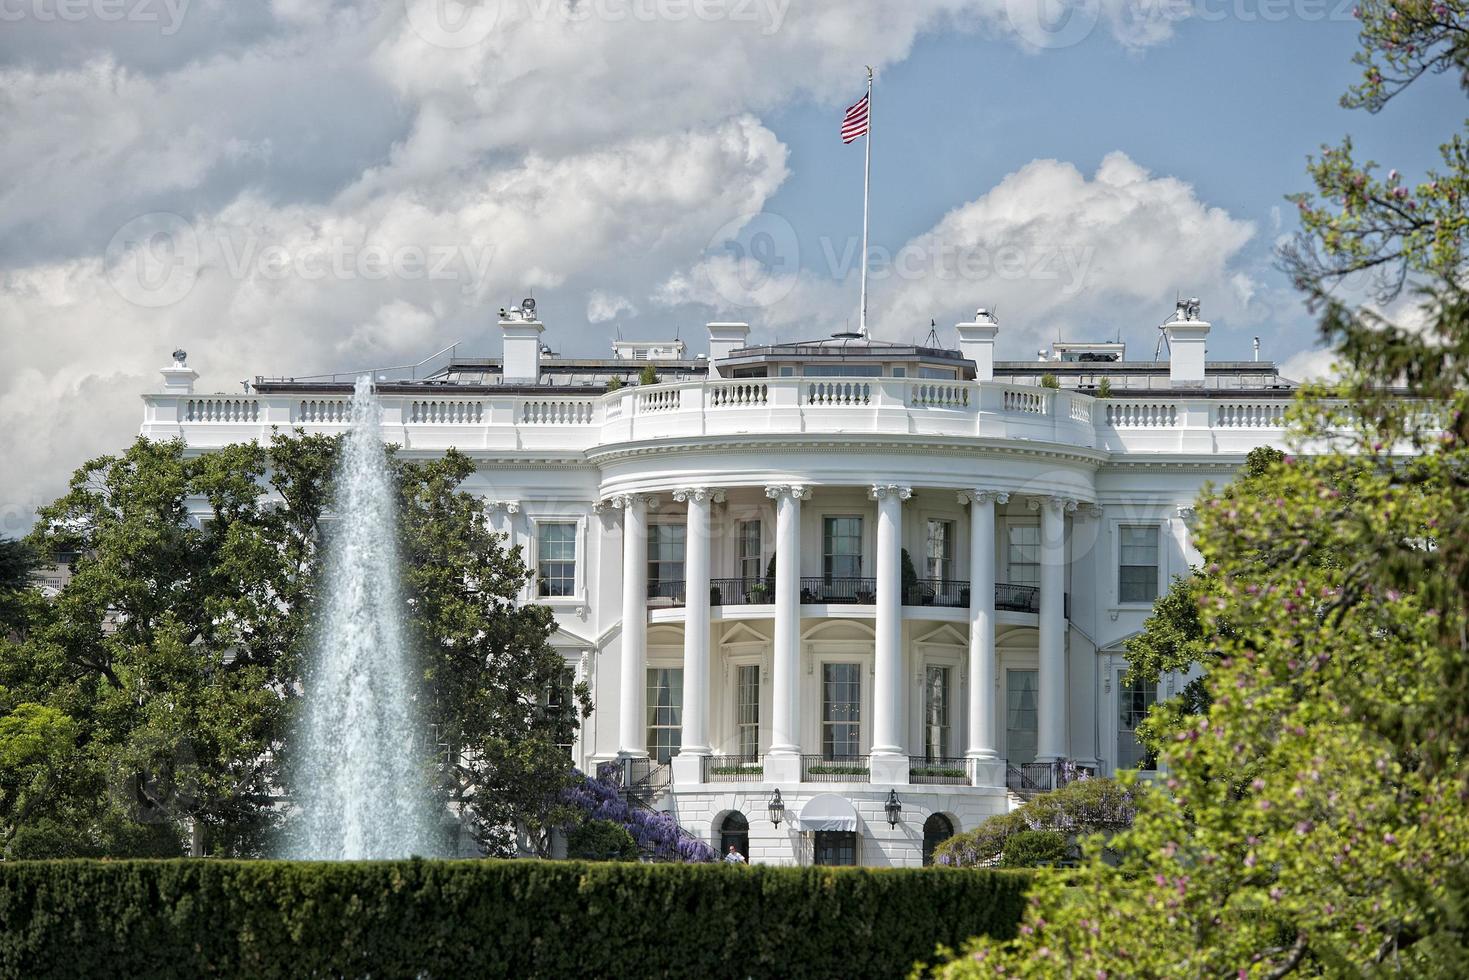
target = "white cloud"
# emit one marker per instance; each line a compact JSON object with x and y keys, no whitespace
{"x":302,"y":148}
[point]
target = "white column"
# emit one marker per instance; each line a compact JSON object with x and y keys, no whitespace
{"x":1051,"y":738}
{"x":694,"y":745}
{"x":632,"y":722}
{"x":783,"y":763}
{"x":983,"y":742}
{"x":889,"y":757}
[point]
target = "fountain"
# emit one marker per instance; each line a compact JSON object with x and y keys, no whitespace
{"x":360,"y":784}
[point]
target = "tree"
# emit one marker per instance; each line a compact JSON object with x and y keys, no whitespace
{"x":1314,"y":819}
{"x":171,"y":660}
{"x":18,"y":562}
{"x":648,"y":376}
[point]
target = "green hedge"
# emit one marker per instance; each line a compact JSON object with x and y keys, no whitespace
{"x":192,"y":918}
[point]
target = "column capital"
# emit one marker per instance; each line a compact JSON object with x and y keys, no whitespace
{"x":881,"y":490}
{"x":1188,"y":515}
{"x":1089,"y":510}
{"x":1056,"y":505}
{"x":795,"y":491}
{"x":623,"y":501}
{"x":508,"y":506}
{"x":983,"y":497}
{"x":685,"y":494}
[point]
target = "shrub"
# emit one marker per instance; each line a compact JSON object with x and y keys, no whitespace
{"x":1049,"y":380}
{"x":655,"y":833}
{"x":1035,"y":849}
{"x":648,"y":376}
{"x":1086,"y":806}
{"x":601,"y":840}
{"x":1104,"y":388}
{"x":190,"y":918}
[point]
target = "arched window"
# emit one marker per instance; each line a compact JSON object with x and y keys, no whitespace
{"x":936,"y":830}
{"x":735,"y":830}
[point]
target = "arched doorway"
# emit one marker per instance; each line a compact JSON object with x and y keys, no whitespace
{"x":936,"y":829}
{"x":735,"y":829}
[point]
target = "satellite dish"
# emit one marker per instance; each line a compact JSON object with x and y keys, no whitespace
{"x":528,"y":307}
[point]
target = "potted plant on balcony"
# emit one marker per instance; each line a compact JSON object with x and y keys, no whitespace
{"x":716,"y":598}
{"x":915,"y":593}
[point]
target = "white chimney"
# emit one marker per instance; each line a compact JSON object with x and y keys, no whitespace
{"x":1188,"y":336}
{"x":724,"y":340}
{"x":522,"y":333}
{"x":178,"y":377}
{"x":977,"y":343}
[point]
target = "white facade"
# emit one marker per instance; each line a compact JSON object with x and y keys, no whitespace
{"x":1040,"y":522}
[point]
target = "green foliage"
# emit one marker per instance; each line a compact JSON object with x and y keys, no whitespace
{"x":614,"y":383}
{"x":648,"y":376}
{"x":1035,"y":849}
{"x":1313,"y":821}
{"x":159,"y":686}
{"x":1104,"y":388}
{"x":1049,"y":380}
{"x":18,"y":562}
{"x":185,"y":919}
{"x":908,"y":575}
{"x":1087,"y":806}
{"x":601,"y":840}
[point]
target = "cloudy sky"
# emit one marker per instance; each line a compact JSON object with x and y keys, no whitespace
{"x":299,"y":186}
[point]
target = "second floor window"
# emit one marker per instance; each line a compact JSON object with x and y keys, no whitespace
{"x":940,"y":558}
{"x":556,"y":558}
{"x":1137,"y":579}
{"x":841,"y":711}
{"x":748,"y":546}
{"x":1025,"y":555}
{"x":841,"y":540}
{"x":562,"y":693}
{"x":666,"y":559}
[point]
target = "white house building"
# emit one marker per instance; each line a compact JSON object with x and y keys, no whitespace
{"x":834,"y":600}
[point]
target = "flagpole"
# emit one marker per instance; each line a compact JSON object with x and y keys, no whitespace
{"x":866,"y":192}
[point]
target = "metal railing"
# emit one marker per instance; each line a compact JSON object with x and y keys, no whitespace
{"x":760,"y":591}
{"x":1030,"y":778}
{"x":950,"y":593}
{"x":841,"y":591}
{"x":938,"y":771}
{"x":733,"y":769}
{"x":667,"y":592}
{"x":840,"y":769}
{"x":741,"y":591}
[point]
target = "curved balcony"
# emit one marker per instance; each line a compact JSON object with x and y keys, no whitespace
{"x":940,"y":593}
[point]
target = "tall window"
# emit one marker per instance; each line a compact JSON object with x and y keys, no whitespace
{"x":1025,"y":555}
{"x":748,"y":545}
{"x":665,"y":712}
{"x":747,"y":710}
{"x":936,"y":713}
{"x":940,"y":564}
{"x":666,"y":560}
{"x":1021,"y":723}
{"x":841,"y":711}
{"x":556,"y":557}
{"x":841,"y":541}
{"x":1137,"y":580}
{"x":1133,"y":701}
{"x":563,"y":690}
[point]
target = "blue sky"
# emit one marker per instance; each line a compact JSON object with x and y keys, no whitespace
{"x":288,"y":187}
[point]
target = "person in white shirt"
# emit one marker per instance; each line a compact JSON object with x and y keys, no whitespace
{"x":734,"y":856}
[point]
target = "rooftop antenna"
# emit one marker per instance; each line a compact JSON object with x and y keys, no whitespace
{"x":933,"y":333}
{"x":1257,"y":349}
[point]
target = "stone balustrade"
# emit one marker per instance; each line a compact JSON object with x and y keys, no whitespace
{"x":895,"y":406}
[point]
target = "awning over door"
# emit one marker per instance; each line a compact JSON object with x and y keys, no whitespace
{"x":827,"y":811}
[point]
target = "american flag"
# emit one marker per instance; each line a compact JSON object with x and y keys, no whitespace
{"x":855,"y":124}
